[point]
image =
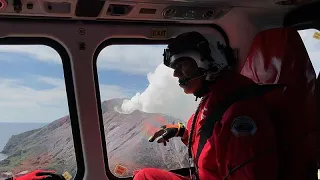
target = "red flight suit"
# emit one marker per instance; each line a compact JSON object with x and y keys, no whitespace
{"x":228,"y":147}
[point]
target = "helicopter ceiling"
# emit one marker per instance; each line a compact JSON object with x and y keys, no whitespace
{"x":190,"y":11}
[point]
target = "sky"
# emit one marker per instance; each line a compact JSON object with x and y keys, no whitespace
{"x":32,"y":84}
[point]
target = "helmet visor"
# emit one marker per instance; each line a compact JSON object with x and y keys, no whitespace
{"x":171,"y":60}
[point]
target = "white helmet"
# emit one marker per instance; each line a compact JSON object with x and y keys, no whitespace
{"x":211,"y":57}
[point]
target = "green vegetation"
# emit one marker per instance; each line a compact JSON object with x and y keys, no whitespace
{"x":14,"y":160}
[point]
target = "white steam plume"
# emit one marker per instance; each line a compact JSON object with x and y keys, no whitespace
{"x":163,"y":95}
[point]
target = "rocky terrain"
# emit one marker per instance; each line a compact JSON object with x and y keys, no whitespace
{"x":51,"y":147}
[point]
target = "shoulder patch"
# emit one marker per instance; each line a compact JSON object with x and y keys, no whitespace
{"x":243,"y":126}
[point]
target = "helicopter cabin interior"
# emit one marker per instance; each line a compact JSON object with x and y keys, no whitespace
{"x":67,"y":64}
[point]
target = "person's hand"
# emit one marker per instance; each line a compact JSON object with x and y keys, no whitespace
{"x":168,"y":131}
{"x":39,"y":174}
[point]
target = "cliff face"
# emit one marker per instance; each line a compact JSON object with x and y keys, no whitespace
{"x":128,"y":145}
{"x":51,"y":147}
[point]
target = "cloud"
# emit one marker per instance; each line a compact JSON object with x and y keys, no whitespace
{"x":163,"y":95}
{"x":51,"y":81}
{"x":20,"y":103}
{"x":13,"y":90}
{"x":112,"y":91}
{"x":132,"y":59}
{"x":38,"y":52}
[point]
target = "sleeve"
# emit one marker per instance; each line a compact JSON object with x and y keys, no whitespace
{"x":185,"y":136}
{"x":246,"y":142}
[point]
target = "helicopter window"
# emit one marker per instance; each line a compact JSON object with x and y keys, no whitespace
{"x":311,"y":40}
{"x":138,"y":95}
{"x":35,"y":128}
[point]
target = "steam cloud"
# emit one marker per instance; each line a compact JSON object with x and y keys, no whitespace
{"x":163,"y":95}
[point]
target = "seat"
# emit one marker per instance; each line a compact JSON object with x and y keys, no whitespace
{"x":278,"y":56}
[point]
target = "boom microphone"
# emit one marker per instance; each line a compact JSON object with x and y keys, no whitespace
{"x":185,"y":82}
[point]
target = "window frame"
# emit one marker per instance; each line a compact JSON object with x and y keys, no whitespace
{"x":68,"y":79}
{"x":105,"y":44}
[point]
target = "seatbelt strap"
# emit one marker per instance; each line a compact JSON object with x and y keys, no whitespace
{"x":206,"y":129}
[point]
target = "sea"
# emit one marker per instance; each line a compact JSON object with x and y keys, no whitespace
{"x":9,"y":129}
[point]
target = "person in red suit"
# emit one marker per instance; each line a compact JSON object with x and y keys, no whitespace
{"x":231,"y":126}
{"x":38,"y":175}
